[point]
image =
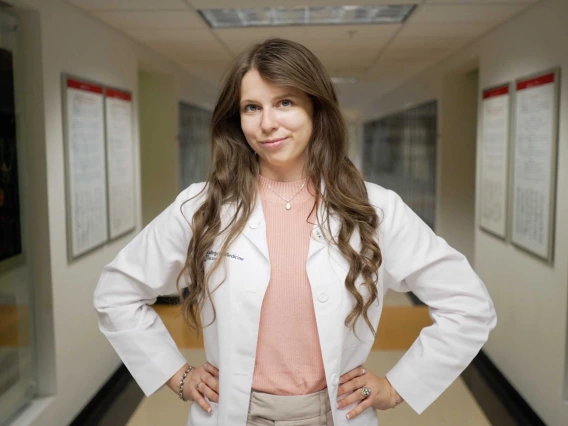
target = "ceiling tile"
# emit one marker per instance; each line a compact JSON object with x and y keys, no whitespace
{"x":415,"y":55}
{"x":460,"y":13}
{"x":452,"y":43}
{"x":183,"y":52}
{"x":148,"y":20}
{"x":130,"y":4}
{"x":356,"y":59}
{"x":441,"y":29}
{"x":181,"y":36}
{"x":329,"y":38}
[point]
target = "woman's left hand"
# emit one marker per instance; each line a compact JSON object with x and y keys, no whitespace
{"x":383,"y":396}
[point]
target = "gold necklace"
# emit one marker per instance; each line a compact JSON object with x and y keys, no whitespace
{"x":288,"y":205}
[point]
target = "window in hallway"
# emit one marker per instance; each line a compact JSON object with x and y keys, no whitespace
{"x":194,"y":144}
{"x":399,"y":153}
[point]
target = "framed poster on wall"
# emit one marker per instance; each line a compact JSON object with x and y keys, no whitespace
{"x":84,"y":133}
{"x":495,"y":115}
{"x":534,"y":163}
{"x":120,"y":162}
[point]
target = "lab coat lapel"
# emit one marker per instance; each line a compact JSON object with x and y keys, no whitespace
{"x":320,"y":229}
{"x":255,"y":229}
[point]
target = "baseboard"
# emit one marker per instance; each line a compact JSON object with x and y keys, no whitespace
{"x":498,"y":399}
{"x":512,"y":401}
{"x":113,"y":404}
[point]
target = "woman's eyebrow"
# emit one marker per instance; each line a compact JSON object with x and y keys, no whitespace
{"x":285,"y":95}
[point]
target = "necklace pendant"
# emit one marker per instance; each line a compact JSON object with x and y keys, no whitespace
{"x":288,"y":206}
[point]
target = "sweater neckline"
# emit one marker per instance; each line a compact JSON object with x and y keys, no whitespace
{"x":286,"y":190}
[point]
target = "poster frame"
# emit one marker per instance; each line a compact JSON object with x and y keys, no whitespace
{"x":132,"y":228}
{"x":510,"y":87}
{"x":552,"y":185}
{"x":71,"y":255}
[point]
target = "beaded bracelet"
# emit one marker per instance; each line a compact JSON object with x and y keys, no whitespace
{"x":182,"y":381}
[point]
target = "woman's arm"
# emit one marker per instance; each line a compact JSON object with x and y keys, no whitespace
{"x":145,"y":269}
{"x":415,"y":259}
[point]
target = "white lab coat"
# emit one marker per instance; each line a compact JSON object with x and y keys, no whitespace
{"x":414,"y":258}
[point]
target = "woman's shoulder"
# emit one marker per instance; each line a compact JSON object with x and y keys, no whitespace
{"x":196,"y":189}
{"x":378,"y":195}
{"x":192,"y":196}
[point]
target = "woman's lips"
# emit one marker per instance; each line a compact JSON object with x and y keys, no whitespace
{"x":273,"y":143}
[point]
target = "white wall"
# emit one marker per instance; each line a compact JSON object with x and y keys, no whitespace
{"x":74,"y":357}
{"x":529,"y":343}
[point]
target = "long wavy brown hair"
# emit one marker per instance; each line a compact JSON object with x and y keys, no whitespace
{"x":234,"y":169}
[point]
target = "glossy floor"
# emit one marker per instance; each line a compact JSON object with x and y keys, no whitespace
{"x":456,"y":407}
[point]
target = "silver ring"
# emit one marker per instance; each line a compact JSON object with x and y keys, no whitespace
{"x":363,"y":371}
{"x":366,"y":392}
{"x":197,"y":385}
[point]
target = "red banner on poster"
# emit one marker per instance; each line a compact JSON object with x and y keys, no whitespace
{"x":87,"y":87}
{"x":496,"y":91}
{"x":537,"y":81}
{"x":117,"y":94}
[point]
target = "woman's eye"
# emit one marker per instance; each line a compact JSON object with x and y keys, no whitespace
{"x":250,"y":108}
{"x":286,"y":103}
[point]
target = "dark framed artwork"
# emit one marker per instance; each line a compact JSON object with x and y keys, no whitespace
{"x":10,"y":221}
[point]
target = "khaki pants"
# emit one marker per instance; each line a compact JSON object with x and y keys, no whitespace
{"x":297,"y":410}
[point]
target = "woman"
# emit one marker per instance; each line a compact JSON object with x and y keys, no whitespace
{"x":286,"y":254}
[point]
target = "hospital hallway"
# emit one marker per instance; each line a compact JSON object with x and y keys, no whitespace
{"x":437,"y":128}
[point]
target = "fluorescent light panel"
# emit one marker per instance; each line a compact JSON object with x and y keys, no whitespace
{"x":325,"y":15}
{"x":345,"y":80}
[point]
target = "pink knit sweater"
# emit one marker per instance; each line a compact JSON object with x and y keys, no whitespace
{"x":288,"y":355}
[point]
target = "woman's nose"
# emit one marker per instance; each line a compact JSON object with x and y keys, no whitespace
{"x":268,"y":122}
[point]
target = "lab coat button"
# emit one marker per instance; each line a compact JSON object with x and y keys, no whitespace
{"x":323,"y":297}
{"x":253,"y":225}
{"x":335,"y":380}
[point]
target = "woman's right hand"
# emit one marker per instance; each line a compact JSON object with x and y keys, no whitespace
{"x":201,"y":385}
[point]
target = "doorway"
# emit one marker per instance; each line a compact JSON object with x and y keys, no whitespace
{"x":455,"y":203}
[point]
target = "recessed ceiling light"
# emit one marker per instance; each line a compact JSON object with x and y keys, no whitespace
{"x":345,"y":80}
{"x":325,"y":15}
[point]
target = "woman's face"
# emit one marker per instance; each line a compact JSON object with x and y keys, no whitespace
{"x":277,"y":122}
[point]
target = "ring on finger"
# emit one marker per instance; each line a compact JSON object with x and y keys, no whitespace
{"x":366,"y":392}
{"x":197,"y":385}
{"x":363,"y":371}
